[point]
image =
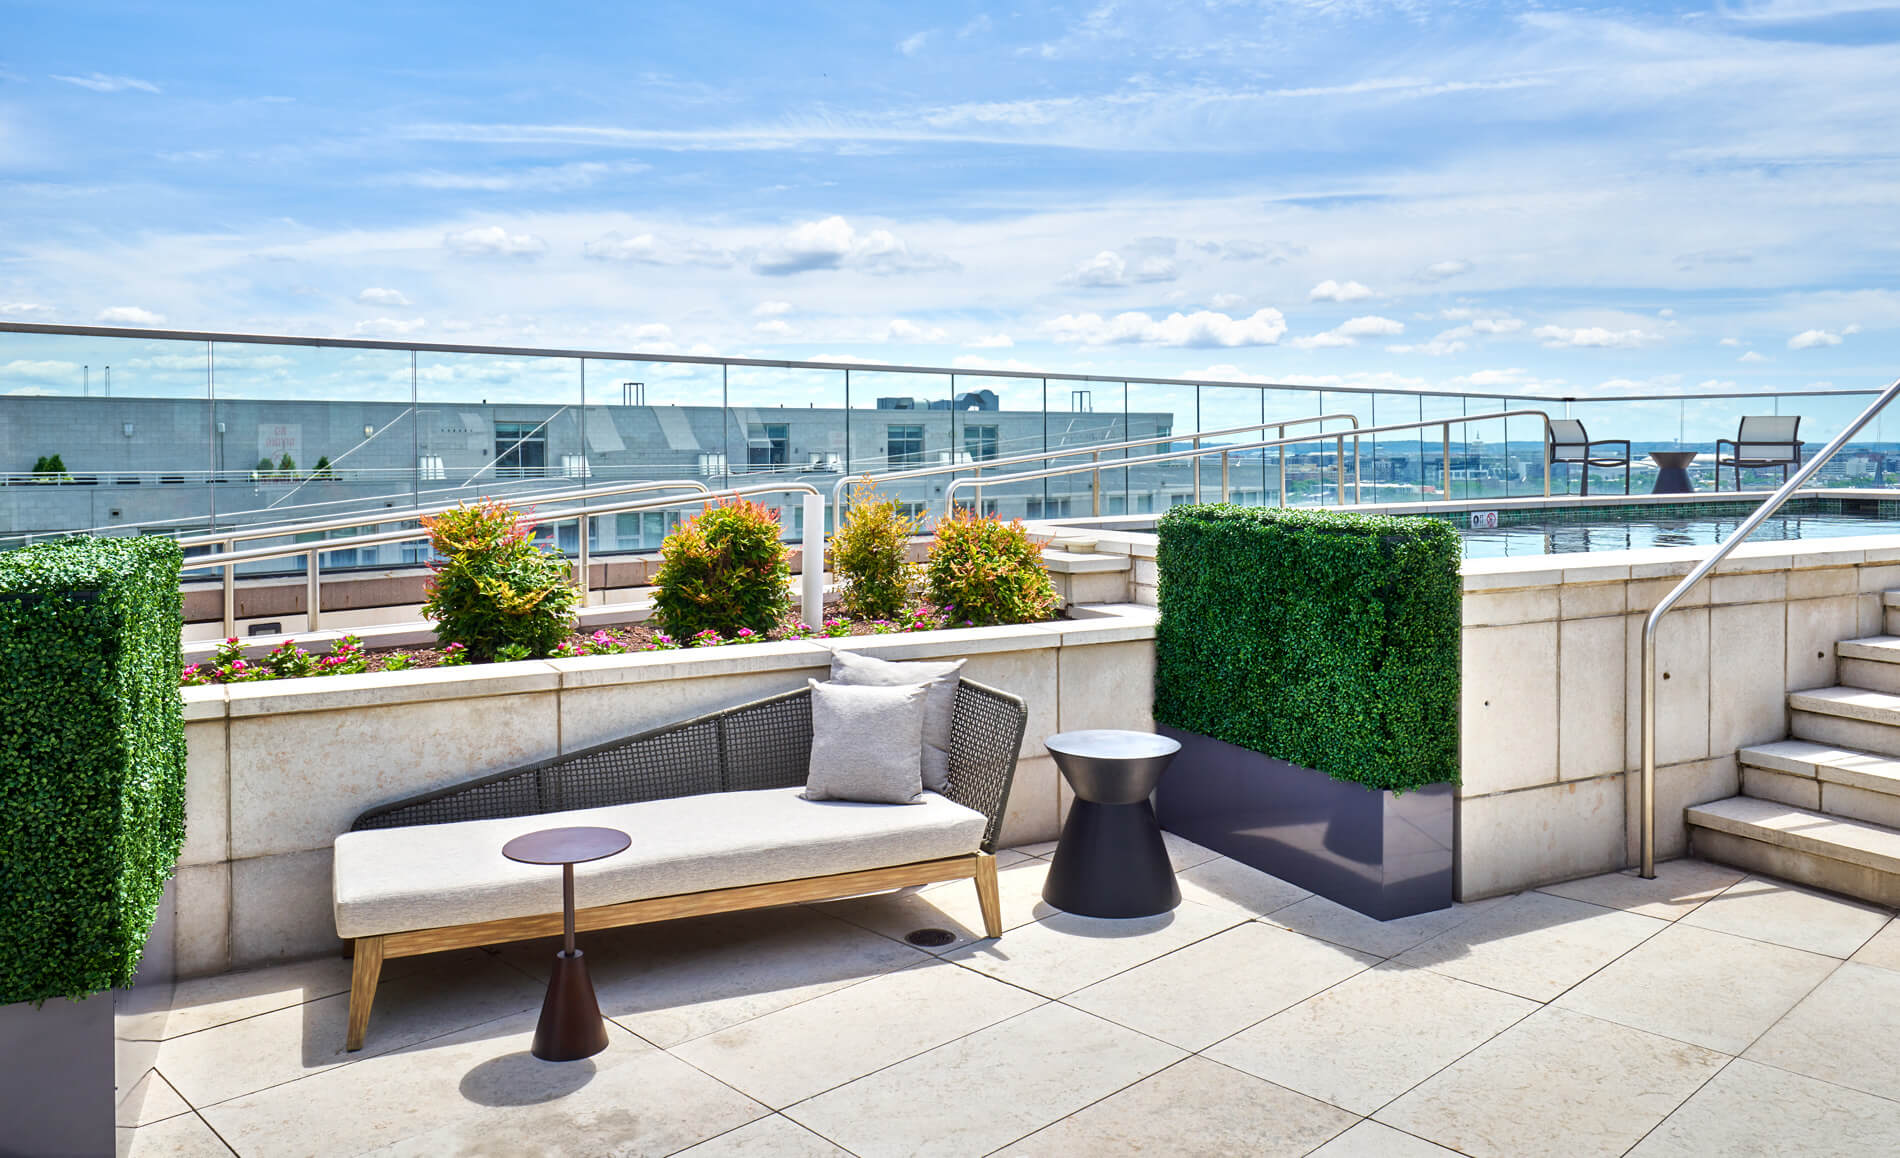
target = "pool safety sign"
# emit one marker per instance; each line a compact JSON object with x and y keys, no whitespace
{"x":1484,"y":520}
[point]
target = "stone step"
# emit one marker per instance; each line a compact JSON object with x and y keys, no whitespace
{"x":1844,"y":717}
{"x":1852,"y":857}
{"x":1841,"y":782}
{"x":1872,"y":663}
{"x":1890,"y":611}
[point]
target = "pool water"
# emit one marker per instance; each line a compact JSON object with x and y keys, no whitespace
{"x":1567,"y":530}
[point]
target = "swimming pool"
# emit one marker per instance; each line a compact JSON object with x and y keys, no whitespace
{"x":1570,"y":530}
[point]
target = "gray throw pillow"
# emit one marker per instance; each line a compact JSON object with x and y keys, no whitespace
{"x":866,"y":744}
{"x":939,"y":681}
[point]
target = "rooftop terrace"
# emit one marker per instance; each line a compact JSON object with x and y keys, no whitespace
{"x":1704,"y":1012}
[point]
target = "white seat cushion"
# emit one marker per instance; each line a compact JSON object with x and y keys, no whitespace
{"x":390,"y":880}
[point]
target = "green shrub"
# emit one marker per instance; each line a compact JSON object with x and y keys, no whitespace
{"x":323,"y":468}
{"x":722,"y":570}
{"x":1327,"y":639}
{"x":92,"y":759}
{"x":868,"y":555}
{"x":988,"y":571}
{"x":40,"y":465}
{"x":287,"y":464}
{"x":55,"y":464}
{"x":265,"y":465}
{"x":492,"y":586}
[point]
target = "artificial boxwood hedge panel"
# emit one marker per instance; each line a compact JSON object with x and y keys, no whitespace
{"x":1327,"y":639}
{"x":92,"y":760}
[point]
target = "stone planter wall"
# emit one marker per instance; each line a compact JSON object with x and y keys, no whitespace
{"x":1551,"y":697}
{"x":279,"y":769}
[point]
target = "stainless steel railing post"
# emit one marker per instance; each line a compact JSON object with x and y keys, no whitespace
{"x":1447,"y":449}
{"x":1339,"y":459}
{"x":1196,"y":464}
{"x":230,"y":593}
{"x":1095,"y":486}
{"x":587,"y":570}
{"x":1225,"y":491}
{"x":1280,"y":432}
{"x":313,"y":594}
{"x":812,"y":603}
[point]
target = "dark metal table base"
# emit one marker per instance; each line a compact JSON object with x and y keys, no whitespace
{"x":1672,"y":472}
{"x":1111,"y":863}
{"x":570,"y":1027}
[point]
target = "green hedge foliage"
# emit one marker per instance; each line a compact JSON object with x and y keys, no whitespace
{"x":1327,"y":639}
{"x":92,"y":760}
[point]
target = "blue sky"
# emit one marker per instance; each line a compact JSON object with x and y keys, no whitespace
{"x":1582,"y":200}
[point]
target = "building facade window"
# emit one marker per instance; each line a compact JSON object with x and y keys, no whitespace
{"x":768,"y":446}
{"x":904,"y":445}
{"x":521,"y":449}
{"x":979,"y":442}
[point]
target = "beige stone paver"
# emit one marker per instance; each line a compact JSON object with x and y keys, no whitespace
{"x":1534,"y":945}
{"x":1196,"y":1109}
{"x":1062,"y":953}
{"x":184,"y":1136}
{"x":805,"y":1049}
{"x":1367,"y":1040}
{"x":1370,"y":1139}
{"x":1236,"y":1024}
{"x":1701,"y":986}
{"x":986,"y":1090}
{"x":1227,"y":884}
{"x":1680,"y":887}
{"x":1769,"y":910}
{"x":773,"y":1137}
{"x":1195,"y":996}
{"x":1558,"y":1084}
{"x":1757,"y":1111}
{"x":1847,"y":1032}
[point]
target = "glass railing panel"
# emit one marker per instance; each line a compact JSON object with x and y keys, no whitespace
{"x":901,"y":422}
{"x":1084,"y":416}
{"x":1392,"y":470}
{"x":1361,"y":407}
{"x":1432,"y":453}
{"x":786,"y":425}
{"x":119,"y":430}
{"x":649,"y":422}
{"x":1861,"y":463}
{"x":1155,"y":410}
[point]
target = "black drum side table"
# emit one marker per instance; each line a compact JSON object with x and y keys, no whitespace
{"x":570,"y":1027}
{"x":1110,"y":861}
{"x":1672,"y":472}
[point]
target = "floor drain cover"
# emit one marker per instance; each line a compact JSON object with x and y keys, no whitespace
{"x":930,"y":938}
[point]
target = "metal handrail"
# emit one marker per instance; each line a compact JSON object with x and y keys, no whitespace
{"x":979,"y":466}
{"x":407,"y":514}
{"x":977,"y":483}
{"x":1768,"y":507}
{"x":813,"y":541}
{"x":138,"y":332}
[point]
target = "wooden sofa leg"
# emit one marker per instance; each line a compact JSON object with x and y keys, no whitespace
{"x":364,"y":973}
{"x":987,"y":896}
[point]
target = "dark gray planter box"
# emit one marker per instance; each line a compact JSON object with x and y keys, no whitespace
{"x":69,"y":1069}
{"x":1384,"y":854}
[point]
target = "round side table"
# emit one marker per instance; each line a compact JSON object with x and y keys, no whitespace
{"x":570,"y":1027}
{"x":1672,"y":472}
{"x":1110,"y":861}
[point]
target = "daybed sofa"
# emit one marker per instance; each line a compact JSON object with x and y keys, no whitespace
{"x":718,"y":824}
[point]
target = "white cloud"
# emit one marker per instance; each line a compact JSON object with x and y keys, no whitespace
{"x":533,"y":179}
{"x":1751,"y":356}
{"x":1104,"y":269}
{"x":1348,"y":333}
{"x":1503,"y":325}
{"x":18,"y":309}
{"x":1593,"y":337}
{"x":493,"y":241}
{"x":1156,"y":269}
{"x":832,"y":243}
{"x":1334,"y":291}
{"x":375,"y":296}
{"x":1813,"y":339}
{"x":129,"y":316}
{"x":771,"y":309}
{"x":775,"y":327}
{"x":1200,"y":329}
{"x":915,"y":42}
{"x":390,"y":327}
{"x":991,"y":342}
{"x":979,"y":362}
{"x":1441,"y":270}
{"x":653,"y":332}
{"x":1730,"y":342}
{"x":1443,"y":344}
{"x":100,"y":82}
{"x":1227,"y":301}
{"x":905,"y":330}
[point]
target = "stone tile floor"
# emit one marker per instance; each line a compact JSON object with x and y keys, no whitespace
{"x":1701,"y":1013}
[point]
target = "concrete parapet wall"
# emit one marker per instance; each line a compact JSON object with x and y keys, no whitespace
{"x":279,"y":769}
